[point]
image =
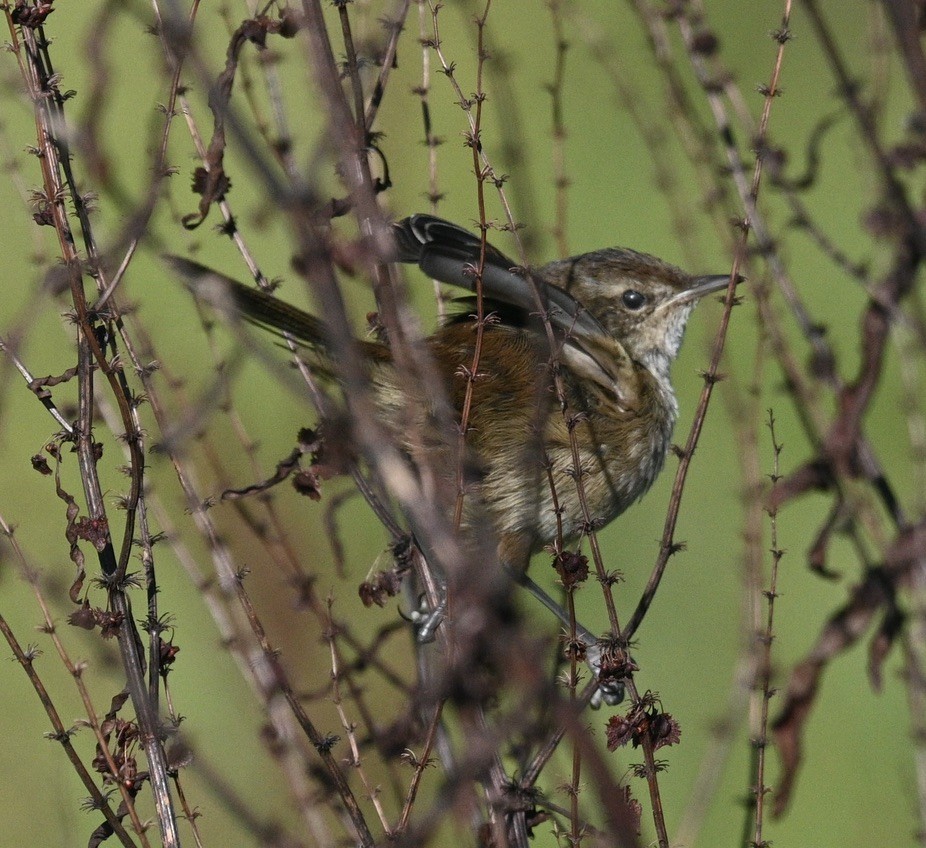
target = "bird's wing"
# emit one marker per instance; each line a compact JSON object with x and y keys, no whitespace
{"x":451,"y":254}
{"x":603,"y":361}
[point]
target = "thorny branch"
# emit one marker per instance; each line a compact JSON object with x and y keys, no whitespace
{"x":471,"y":699}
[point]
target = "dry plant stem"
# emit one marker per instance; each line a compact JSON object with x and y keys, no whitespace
{"x":266,"y":833}
{"x":911,"y":245}
{"x":644,"y":116}
{"x":482,"y":167}
{"x":694,"y":136}
{"x":355,"y":760}
{"x":54,"y":160}
{"x":281,"y":146}
{"x":10,"y":154}
{"x":915,"y":680}
{"x":559,"y":131}
{"x":427,"y":518}
{"x":867,"y":129}
{"x":174,"y":31}
{"x":61,"y":733}
{"x":423,"y":509}
{"x":39,"y":389}
{"x":881,"y":57}
{"x":483,"y":171}
{"x":368,"y":711}
{"x":318,"y":397}
{"x":245,"y":636}
{"x":395,"y":26}
{"x":160,"y":169}
{"x":353,"y":71}
{"x":359,"y":181}
{"x":744,"y":404}
{"x":513,"y":126}
{"x":275,"y":539}
{"x":905,"y":22}
{"x":652,"y":779}
{"x":589,"y":832}
{"x":230,"y":635}
{"x":764,"y":688}
{"x":913,"y":643}
{"x":280,"y":710}
{"x":507,"y":828}
{"x":224,"y":206}
{"x":474,"y":142}
{"x":316,"y":394}
{"x":148,"y":720}
{"x":814,"y":421}
{"x":189,"y":813}
{"x":543,"y":755}
{"x":811,"y":415}
{"x":748,"y":197}
{"x":281,"y":551}
{"x":803,"y":219}
{"x":125,"y":419}
{"x":575,"y":778}
{"x":487,"y":171}
{"x":349,"y":137}
{"x":864,"y":118}
{"x":548,"y":749}
{"x":605,"y":583}
{"x":130,"y":425}
{"x":748,"y":194}
{"x":613,"y":806}
{"x":431,"y":140}
{"x":668,"y":545}
{"x":603,"y":578}
{"x":911,"y":402}
{"x":810,"y":329}
{"x":421,"y":764}
{"x":333,"y":532}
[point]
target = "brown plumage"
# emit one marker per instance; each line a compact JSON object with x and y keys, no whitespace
{"x":618,"y":317}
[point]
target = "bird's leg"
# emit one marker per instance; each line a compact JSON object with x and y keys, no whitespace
{"x":514,"y":552}
{"x":609,"y":691}
{"x":427,"y":620}
{"x":430,"y":606}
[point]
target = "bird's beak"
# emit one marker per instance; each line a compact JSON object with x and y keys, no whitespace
{"x":701,"y":286}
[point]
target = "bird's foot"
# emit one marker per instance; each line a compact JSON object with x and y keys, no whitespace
{"x":612,"y":664}
{"x":426,"y":620}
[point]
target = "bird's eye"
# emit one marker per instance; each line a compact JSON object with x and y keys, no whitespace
{"x":633,"y":299}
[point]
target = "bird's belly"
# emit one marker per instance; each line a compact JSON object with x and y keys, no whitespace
{"x":614,"y":474}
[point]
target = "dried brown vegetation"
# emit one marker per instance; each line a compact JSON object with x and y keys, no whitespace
{"x":179,"y":453}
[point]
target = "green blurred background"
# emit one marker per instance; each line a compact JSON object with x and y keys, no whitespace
{"x":857,"y":787}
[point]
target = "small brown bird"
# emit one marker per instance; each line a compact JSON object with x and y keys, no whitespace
{"x":617,"y":318}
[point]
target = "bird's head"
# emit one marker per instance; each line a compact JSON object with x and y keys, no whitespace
{"x":641,"y":300}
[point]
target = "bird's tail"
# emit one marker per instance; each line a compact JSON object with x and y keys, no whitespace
{"x":234,"y":300}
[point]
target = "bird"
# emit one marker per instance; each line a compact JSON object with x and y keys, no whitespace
{"x":574,"y":365}
{"x":618,"y":316}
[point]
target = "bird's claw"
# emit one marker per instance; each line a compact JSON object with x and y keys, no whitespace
{"x":426,"y":621}
{"x":610,"y":690}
